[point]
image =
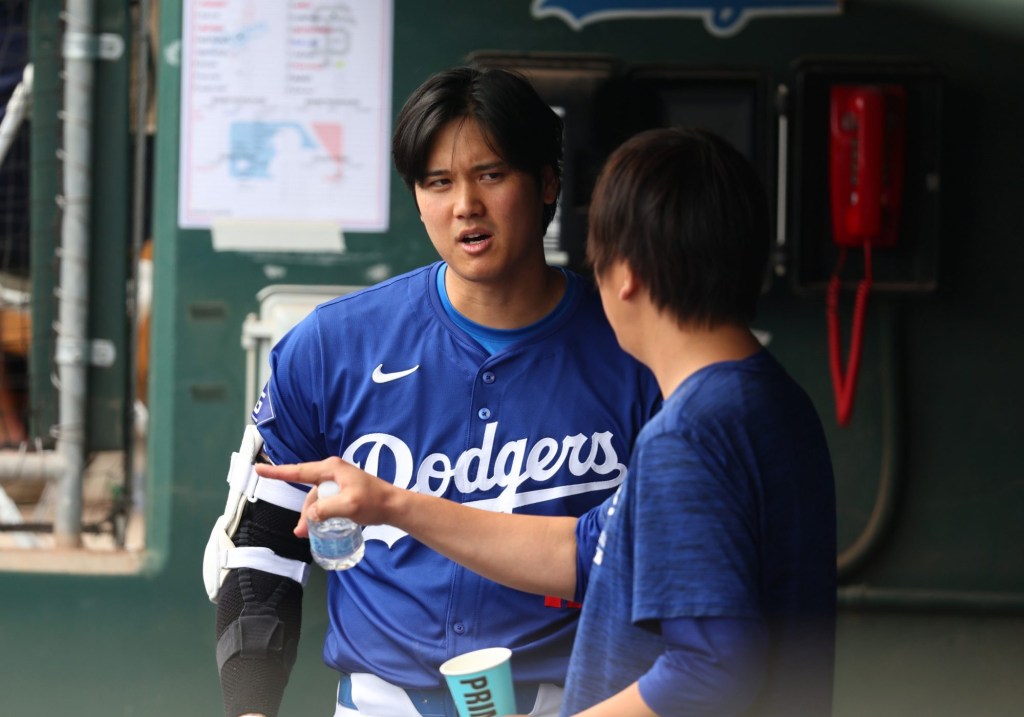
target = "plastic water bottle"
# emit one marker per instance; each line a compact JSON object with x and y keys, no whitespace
{"x":336,"y":543}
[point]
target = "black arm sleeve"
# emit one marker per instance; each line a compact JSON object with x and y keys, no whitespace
{"x":264,"y":611}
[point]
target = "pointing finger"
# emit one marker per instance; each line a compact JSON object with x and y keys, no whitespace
{"x":311,"y":473}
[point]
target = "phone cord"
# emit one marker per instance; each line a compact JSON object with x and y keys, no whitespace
{"x":844,"y":383}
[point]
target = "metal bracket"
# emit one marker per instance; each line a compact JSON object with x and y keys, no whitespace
{"x":86,"y":46}
{"x":73,"y":352}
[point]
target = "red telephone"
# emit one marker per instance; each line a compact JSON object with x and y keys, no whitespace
{"x":866,"y":168}
{"x":866,"y":160}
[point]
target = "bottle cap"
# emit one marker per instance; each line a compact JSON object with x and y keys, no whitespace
{"x":327,"y":489}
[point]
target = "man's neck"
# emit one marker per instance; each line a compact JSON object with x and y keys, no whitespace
{"x":507,"y":305}
{"x":674,"y":354}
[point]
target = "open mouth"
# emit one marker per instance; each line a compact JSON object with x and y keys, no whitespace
{"x":474,"y":238}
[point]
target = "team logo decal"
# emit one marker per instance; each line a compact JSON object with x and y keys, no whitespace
{"x":721,"y":17}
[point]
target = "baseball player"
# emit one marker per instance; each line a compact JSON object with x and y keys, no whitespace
{"x":487,"y":378}
{"x":708,"y":579}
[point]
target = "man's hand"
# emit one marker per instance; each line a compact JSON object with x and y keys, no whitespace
{"x":363,"y":498}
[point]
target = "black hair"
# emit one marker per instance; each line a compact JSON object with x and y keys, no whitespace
{"x":522,"y":129}
{"x":688,"y":213}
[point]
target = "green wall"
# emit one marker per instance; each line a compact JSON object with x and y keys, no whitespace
{"x":935,"y":625}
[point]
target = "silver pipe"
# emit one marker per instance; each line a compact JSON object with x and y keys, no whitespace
{"x":18,"y":109}
{"x":782,"y":106}
{"x":31,"y":465}
{"x":139,"y":230}
{"x":891,"y":477}
{"x":867,"y":597}
{"x":72,"y":352}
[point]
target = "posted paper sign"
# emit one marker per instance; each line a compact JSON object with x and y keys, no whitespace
{"x":286,"y":112}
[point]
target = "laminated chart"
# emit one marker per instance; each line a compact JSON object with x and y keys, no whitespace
{"x":286,"y":111}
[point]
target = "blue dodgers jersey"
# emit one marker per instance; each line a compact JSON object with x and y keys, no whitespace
{"x":383,"y":378}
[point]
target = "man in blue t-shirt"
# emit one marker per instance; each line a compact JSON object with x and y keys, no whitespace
{"x":708,"y":578}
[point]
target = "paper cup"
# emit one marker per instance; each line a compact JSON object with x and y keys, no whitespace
{"x":481,"y":682}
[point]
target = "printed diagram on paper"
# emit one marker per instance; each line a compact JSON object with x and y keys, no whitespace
{"x":286,"y":112}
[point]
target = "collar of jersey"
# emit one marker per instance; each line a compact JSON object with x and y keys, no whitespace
{"x":494,"y":340}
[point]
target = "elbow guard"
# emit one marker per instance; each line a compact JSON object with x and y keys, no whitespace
{"x":245,"y":488}
{"x":259,"y":616}
{"x":255,"y":569}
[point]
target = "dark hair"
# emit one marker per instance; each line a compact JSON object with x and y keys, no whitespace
{"x":524,"y":131}
{"x":688,"y":213}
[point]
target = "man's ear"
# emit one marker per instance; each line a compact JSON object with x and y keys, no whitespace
{"x":549,"y":185}
{"x":629,"y":282}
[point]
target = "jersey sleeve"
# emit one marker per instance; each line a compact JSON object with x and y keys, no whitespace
{"x":690,"y":506}
{"x":588,"y":532}
{"x":289,"y":413}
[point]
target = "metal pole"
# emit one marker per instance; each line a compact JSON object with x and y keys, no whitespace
{"x":18,"y":109}
{"x":891,"y":476}
{"x":139,"y":230}
{"x":919,"y":600}
{"x":80,"y":49}
{"x":31,"y":465}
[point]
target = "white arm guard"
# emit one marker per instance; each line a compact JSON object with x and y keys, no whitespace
{"x":244,"y":485}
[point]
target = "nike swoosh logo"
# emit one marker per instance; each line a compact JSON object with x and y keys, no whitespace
{"x":380,"y":377}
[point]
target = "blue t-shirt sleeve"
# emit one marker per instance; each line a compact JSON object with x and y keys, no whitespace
{"x":691,"y":507}
{"x":710,"y":666}
{"x":588,"y":533}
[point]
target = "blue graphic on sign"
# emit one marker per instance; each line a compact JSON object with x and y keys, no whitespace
{"x":721,"y":17}
{"x":255,"y":145}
